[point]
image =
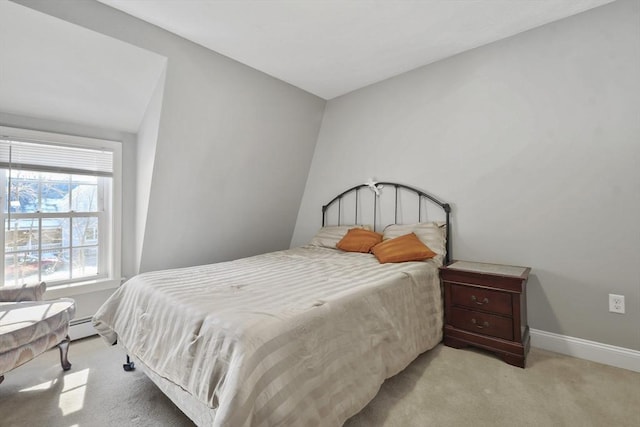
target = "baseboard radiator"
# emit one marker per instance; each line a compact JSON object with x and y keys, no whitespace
{"x":81,"y":328}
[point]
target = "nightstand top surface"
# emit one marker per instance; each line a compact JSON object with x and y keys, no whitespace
{"x":480,"y":267}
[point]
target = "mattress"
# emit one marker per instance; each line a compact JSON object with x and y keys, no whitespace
{"x":304,"y":336}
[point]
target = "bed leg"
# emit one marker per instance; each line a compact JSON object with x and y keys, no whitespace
{"x":64,"y":352}
{"x":129,"y":366}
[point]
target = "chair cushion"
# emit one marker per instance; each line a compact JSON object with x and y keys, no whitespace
{"x":21,"y":355}
{"x":25,"y":322}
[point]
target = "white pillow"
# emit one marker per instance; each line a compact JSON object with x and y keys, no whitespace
{"x":328,"y":237}
{"x":432,"y":234}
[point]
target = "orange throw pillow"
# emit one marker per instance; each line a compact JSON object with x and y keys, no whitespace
{"x":359,"y":240}
{"x":402,"y":249}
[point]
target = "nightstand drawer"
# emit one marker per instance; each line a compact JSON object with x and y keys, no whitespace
{"x":481,"y":323}
{"x":482,"y":299}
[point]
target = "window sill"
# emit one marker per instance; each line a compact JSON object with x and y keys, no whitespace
{"x":69,"y":290}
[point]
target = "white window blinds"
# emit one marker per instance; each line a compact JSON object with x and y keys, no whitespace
{"x":47,"y":157}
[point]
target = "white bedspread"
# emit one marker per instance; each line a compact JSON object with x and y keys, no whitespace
{"x":304,"y":336}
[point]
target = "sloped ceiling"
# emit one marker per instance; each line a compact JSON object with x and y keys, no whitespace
{"x":52,"y":69}
{"x":332,"y":47}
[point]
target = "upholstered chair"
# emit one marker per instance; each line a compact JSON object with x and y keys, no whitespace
{"x":30,"y":325}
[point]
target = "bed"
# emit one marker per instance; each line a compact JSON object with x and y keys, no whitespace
{"x":304,"y":336}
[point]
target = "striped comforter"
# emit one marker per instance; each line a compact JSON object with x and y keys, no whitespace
{"x":304,"y":336}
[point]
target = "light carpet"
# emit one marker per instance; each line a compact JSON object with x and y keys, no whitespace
{"x":443,"y":387}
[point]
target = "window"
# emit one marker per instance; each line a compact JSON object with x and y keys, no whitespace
{"x":59,"y":198}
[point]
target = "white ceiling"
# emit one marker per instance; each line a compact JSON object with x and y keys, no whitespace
{"x":332,"y":47}
{"x":52,"y":69}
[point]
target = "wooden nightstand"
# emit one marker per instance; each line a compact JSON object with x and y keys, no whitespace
{"x":486,"y":307}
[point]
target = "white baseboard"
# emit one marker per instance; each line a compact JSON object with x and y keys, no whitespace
{"x":81,"y":328}
{"x":590,"y":350}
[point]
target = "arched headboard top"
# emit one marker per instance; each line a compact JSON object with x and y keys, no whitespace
{"x":378,"y":188}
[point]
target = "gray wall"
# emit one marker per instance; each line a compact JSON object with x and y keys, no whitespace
{"x":145,"y":157}
{"x":535,"y":142}
{"x":232,"y":153}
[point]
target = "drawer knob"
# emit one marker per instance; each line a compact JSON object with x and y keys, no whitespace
{"x":485,"y":324}
{"x":483,"y":302}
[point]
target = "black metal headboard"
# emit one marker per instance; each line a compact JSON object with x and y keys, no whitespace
{"x":377,"y":187}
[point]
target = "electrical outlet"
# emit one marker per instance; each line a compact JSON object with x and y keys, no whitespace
{"x":616,"y":303}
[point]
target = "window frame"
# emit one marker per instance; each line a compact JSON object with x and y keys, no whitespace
{"x":113,"y":241}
